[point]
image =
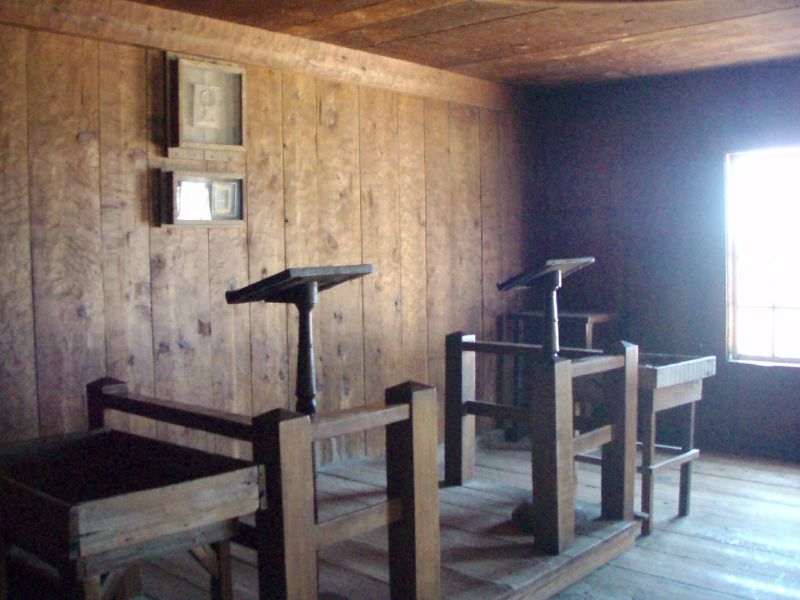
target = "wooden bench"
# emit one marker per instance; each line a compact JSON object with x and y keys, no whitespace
{"x":286,"y":535}
{"x":554,"y":445}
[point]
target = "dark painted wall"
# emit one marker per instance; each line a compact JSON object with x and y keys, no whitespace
{"x":633,"y":174}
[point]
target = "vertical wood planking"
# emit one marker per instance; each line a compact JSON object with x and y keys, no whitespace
{"x":114,"y":293}
{"x":299,"y":102}
{"x":493,"y":203}
{"x":231,"y":376}
{"x":438,"y":194}
{"x":492,"y":214}
{"x":125,"y":218}
{"x":466,"y":292}
{"x":465,"y":170}
{"x":340,"y":310}
{"x":413,"y":256}
{"x":19,"y":417}
{"x":65,"y":225}
{"x":513,"y":224}
{"x":452,"y":166}
{"x":181,"y":323}
{"x":266,"y":244}
{"x":380,"y":220}
{"x":180,"y":292}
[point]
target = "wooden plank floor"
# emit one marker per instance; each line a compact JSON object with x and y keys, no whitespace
{"x":742,"y":539}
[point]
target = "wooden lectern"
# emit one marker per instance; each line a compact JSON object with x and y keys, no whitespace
{"x":300,"y":286}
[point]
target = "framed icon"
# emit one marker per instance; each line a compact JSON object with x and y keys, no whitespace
{"x":205,"y":106}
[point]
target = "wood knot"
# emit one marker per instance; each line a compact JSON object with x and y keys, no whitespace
{"x":203,"y":328}
{"x":84,"y":137}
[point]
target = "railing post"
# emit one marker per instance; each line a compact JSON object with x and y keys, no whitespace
{"x":411,"y":475}
{"x":618,"y":469}
{"x":459,"y":428}
{"x":94,"y":401}
{"x":552,"y":462}
{"x":287,"y":558}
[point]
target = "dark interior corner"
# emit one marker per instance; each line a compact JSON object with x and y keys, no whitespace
{"x":632,"y":173}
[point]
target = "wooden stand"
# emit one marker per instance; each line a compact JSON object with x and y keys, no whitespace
{"x":668,"y":382}
{"x":94,"y":504}
{"x":554,"y":445}
{"x":300,"y":286}
{"x":286,"y":535}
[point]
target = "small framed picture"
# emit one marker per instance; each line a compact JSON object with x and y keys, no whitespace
{"x":205,"y":106}
{"x":209,"y":199}
{"x":225,"y":200}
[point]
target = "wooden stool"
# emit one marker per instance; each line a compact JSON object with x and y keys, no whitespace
{"x":92,"y":504}
{"x":669,"y":382}
{"x":554,"y":445}
{"x":286,"y":535}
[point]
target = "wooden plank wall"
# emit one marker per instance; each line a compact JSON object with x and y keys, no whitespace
{"x":428,"y":191}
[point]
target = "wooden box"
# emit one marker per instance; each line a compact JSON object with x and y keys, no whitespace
{"x":665,"y":370}
{"x":96,"y":498}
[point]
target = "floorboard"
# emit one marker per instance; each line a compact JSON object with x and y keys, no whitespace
{"x":741,"y":540}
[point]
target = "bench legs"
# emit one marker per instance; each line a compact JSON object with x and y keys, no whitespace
{"x":647,"y":432}
{"x":687,"y":444}
{"x":686,"y":454}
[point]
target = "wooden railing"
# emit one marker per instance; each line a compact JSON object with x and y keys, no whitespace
{"x":550,"y":415}
{"x":286,"y":535}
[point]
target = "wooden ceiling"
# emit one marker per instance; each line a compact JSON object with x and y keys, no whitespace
{"x":534,"y":42}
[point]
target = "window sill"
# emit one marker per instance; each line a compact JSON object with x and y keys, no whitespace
{"x":763,"y":362}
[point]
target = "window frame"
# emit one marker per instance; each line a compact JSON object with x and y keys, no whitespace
{"x":732,"y":306}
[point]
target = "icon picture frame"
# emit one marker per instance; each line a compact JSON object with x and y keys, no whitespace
{"x":203,"y":199}
{"x":205,"y":104}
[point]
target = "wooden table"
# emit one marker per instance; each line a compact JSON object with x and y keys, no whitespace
{"x":93,"y":504}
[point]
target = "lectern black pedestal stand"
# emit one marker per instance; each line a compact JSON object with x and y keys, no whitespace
{"x":549,"y":279}
{"x":300,"y":286}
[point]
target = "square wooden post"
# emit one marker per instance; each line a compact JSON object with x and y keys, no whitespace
{"x":287,"y":558}
{"x":94,"y":391}
{"x":618,"y":468}
{"x":553,"y":469}
{"x":459,"y":428}
{"x":412,"y":476}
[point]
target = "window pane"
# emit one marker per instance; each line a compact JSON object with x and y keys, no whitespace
{"x":753,"y":283}
{"x":787,"y":282}
{"x":787,"y":333}
{"x":753,"y":329}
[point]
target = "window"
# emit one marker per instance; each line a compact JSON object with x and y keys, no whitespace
{"x":763,"y":229}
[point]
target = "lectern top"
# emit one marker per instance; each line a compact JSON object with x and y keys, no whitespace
{"x":567,"y":266}
{"x":284,"y":286}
